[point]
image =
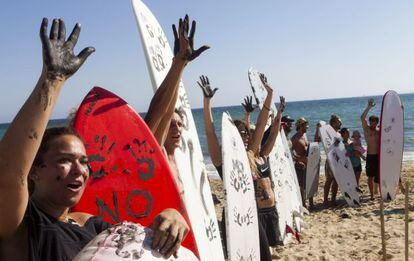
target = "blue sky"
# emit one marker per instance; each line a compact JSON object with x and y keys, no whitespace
{"x":309,"y":49}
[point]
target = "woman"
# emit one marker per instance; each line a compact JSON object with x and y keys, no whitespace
{"x":257,"y":159}
{"x":353,"y":154}
{"x":40,"y":226}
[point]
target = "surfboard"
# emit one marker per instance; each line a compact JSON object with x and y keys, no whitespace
{"x":286,"y":189}
{"x":242,"y":225}
{"x":130,"y":177}
{"x":391,"y":144}
{"x":340,"y":164}
{"x":189,"y":157}
{"x":126,"y":241}
{"x":312,"y":170}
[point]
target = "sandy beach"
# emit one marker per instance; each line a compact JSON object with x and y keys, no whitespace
{"x":345,"y":233}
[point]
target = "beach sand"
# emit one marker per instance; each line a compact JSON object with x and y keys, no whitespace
{"x":345,"y":233}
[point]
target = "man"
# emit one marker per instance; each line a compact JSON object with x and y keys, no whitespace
{"x":287,"y":124}
{"x":371,"y":133}
{"x":336,"y":124}
{"x":300,"y":149}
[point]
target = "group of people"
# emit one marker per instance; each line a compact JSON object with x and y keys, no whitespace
{"x":43,"y":172}
{"x":354,"y":150}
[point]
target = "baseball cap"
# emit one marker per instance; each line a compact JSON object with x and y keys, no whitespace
{"x":287,"y":118}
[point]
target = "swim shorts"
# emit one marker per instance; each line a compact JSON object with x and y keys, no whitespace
{"x":372,"y":167}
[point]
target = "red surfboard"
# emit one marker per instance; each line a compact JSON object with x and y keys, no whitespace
{"x":130,"y":178}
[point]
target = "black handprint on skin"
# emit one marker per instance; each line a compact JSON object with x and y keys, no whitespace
{"x":59,"y":61}
{"x":248,"y":104}
{"x":206,"y":88}
{"x":184,"y":43}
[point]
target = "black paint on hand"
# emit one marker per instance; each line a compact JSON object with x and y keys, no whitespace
{"x":205,"y":87}
{"x":248,"y":104}
{"x":59,"y":61}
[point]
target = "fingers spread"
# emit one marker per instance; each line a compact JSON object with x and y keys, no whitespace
{"x":175,"y":32}
{"x":43,"y":33}
{"x":84,"y":54}
{"x":197,"y":52}
{"x":73,"y":38}
{"x":55,"y":29}
{"x":62,"y":30}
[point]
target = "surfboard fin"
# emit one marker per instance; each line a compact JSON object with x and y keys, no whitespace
{"x":389,"y":196}
{"x":347,"y":195}
{"x":289,"y":230}
{"x":356,"y":203}
{"x":304,"y":210}
{"x":297,"y":214}
{"x":359,"y":190}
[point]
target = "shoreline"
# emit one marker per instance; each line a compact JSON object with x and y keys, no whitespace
{"x":345,"y":233}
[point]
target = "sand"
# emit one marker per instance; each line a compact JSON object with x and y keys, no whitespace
{"x":345,"y":233}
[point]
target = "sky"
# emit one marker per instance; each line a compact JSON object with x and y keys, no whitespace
{"x":309,"y":49}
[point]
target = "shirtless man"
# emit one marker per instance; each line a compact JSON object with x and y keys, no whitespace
{"x":371,"y":133}
{"x":300,"y":151}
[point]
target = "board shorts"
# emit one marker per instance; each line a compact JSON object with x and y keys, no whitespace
{"x":301,"y":175}
{"x":358,"y":168}
{"x":269,"y":220}
{"x":372,"y":167}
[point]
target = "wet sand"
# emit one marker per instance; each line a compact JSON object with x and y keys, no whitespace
{"x":345,"y":233}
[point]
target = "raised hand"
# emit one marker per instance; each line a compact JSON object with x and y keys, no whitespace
{"x":282,"y":104}
{"x":371,"y":103}
{"x":59,"y":61}
{"x":204,"y":84}
{"x":263,"y":78}
{"x":248,"y":104}
{"x":184,"y":42}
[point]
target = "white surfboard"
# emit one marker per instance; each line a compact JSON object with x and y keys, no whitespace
{"x":242,"y":225}
{"x":189,"y":158}
{"x":340,"y":164}
{"x":126,"y":241}
{"x":312,"y":170}
{"x":286,"y":189}
{"x":392,"y":143}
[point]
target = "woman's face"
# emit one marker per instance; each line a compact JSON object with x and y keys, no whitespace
{"x":61,"y":178}
{"x":174,"y":133}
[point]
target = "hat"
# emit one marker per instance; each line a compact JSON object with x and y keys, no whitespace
{"x":287,"y":118}
{"x":300,"y":121}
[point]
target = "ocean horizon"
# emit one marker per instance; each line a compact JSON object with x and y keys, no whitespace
{"x":349,"y":109}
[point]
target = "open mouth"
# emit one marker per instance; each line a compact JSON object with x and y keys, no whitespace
{"x":74,"y":186}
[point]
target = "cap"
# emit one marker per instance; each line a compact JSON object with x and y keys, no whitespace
{"x":300,"y":121}
{"x":287,"y":118}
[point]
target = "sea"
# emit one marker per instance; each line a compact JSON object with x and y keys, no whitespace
{"x":349,"y":110}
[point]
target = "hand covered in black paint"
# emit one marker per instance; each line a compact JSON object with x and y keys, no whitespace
{"x":204,"y":84}
{"x":170,"y":229}
{"x":248,"y":104}
{"x":263,"y":78}
{"x":59,"y":61}
{"x":371,"y":103}
{"x":282,"y":104}
{"x":184,"y":43}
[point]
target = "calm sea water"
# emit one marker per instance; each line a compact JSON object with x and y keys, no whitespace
{"x":349,"y":109}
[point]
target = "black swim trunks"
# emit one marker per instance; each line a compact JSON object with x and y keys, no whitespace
{"x":372,"y":167}
{"x":301,"y":175}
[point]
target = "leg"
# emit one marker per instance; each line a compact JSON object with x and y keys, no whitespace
{"x":357,"y":176}
{"x":326,"y":188}
{"x":371,"y":187}
{"x":334,"y":191}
